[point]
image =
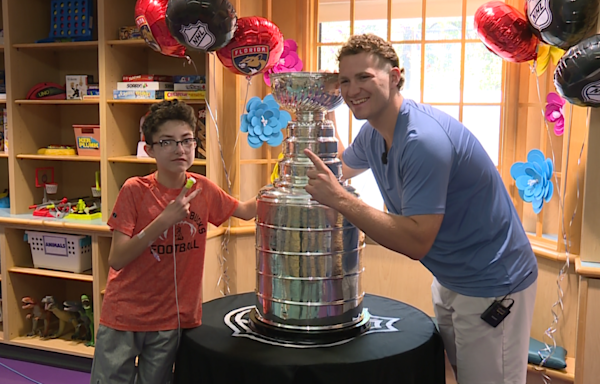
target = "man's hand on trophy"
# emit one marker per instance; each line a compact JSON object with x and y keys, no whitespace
{"x":322,"y":185}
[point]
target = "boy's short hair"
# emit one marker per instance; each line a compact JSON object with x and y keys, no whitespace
{"x":374,"y":45}
{"x":165,"y":111}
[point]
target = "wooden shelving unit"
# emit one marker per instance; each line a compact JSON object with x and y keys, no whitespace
{"x":35,"y":124}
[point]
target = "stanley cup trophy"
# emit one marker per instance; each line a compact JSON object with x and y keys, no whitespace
{"x":308,"y":256}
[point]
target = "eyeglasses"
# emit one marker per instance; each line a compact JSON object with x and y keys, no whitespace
{"x":172,"y":144}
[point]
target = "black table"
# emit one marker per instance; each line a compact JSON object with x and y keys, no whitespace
{"x":402,"y":346}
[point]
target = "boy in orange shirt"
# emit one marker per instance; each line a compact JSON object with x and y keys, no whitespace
{"x":159,"y":225}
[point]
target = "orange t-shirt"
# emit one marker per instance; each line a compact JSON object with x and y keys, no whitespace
{"x":141,"y":296}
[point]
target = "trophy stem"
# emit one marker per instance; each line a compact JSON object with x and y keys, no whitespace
{"x":308,"y":116}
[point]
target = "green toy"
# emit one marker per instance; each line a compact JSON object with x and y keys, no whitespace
{"x":87,"y":305}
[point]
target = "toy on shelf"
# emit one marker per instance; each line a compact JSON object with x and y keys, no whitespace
{"x":70,"y":20}
{"x":88,"y":210}
{"x":47,"y":91}
{"x":82,"y":329}
{"x":64,"y":317}
{"x":4,"y":199}
{"x":89,"y":312}
{"x":44,"y":177}
{"x":36,"y":314}
{"x":58,"y":150}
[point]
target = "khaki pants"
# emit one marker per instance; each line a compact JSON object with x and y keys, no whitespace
{"x":116,"y":353}
{"x":484,"y":354}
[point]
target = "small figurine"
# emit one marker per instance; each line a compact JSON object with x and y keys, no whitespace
{"x":35,"y":315}
{"x":63,"y":316}
{"x":82,"y":328}
{"x":87,"y":305}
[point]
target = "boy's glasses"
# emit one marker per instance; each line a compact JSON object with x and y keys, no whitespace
{"x":172,"y":144}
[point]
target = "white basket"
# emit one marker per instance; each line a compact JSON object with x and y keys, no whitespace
{"x":71,"y":253}
{"x":51,"y":188}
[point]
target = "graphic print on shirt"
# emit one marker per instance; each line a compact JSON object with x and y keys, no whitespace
{"x":185,"y":233}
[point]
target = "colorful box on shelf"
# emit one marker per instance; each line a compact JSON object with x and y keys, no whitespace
{"x":61,"y":252}
{"x":138,"y":95}
{"x":87,"y":138}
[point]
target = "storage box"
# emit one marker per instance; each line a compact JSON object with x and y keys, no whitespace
{"x":62,"y":252}
{"x":87,"y":138}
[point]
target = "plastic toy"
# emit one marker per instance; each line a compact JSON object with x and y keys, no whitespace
{"x":58,"y":150}
{"x":82,"y":329}
{"x":64,"y":317}
{"x":36,"y":315}
{"x":87,"y":305}
{"x":70,"y":20}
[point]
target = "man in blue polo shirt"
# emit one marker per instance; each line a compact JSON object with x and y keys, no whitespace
{"x":448,"y":208}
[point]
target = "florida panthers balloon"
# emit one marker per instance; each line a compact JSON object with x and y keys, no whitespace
{"x":256,"y":47}
{"x":562,"y":23}
{"x":205,"y":25}
{"x":150,"y":20}
{"x":576,"y":77}
{"x":505,"y":31}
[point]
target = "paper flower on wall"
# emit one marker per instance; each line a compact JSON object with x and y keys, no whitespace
{"x":555,"y":112}
{"x":289,"y":61}
{"x":264,"y":122}
{"x":534,"y":179}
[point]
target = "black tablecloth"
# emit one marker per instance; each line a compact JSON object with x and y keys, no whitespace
{"x":402,"y":346}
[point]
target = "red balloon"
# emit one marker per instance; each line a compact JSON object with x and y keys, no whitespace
{"x":255,"y":48}
{"x":150,"y":20}
{"x":505,"y":31}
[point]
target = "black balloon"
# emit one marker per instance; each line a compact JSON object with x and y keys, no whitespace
{"x":201,"y":25}
{"x":577,"y":74}
{"x":562,"y":23}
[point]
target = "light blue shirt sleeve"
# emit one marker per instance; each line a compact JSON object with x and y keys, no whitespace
{"x":355,"y":156}
{"x":425,"y":169}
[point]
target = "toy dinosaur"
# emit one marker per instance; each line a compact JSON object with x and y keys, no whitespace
{"x":82,"y":329}
{"x":63,"y":316}
{"x":36,"y":315}
{"x":87,"y":305}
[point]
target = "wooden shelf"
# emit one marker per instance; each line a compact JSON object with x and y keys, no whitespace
{"x":112,"y":101}
{"x":3,"y":154}
{"x":58,"y":46}
{"x":92,"y":159}
{"x":58,"y":102}
{"x":60,"y":345}
{"x":144,"y":160}
{"x":51,"y":223}
{"x":128,"y":43}
{"x":55,"y":274}
{"x":102,"y":291}
{"x":567,"y":374}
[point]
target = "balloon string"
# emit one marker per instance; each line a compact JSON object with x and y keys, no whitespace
{"x":553,"y":328}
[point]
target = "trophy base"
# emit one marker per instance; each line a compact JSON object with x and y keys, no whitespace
{"x":308,"y":336}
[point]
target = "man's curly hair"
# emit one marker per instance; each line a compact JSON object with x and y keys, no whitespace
{"x":165,"y":111}
{"x":374,"y":45}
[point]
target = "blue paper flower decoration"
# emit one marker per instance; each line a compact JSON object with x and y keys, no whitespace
{"x":534,"y":179}
{"x":264,"y":122}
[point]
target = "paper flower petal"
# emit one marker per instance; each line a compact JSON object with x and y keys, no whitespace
{"x":533,"y":179}
{"x":263,"y":122}
{"x":251,"y":103}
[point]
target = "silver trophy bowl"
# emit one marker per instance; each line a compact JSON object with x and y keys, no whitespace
{"x":308,"y":256}
{"x":306,"y":91}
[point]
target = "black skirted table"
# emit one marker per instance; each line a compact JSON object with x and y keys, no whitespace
{"x":402,"y":346}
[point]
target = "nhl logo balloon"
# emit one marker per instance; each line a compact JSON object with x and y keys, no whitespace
{"x":562,"y":23}
{"x":256,"y":47}
{"x":576,"y":77}
{"x":201,"y":25}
